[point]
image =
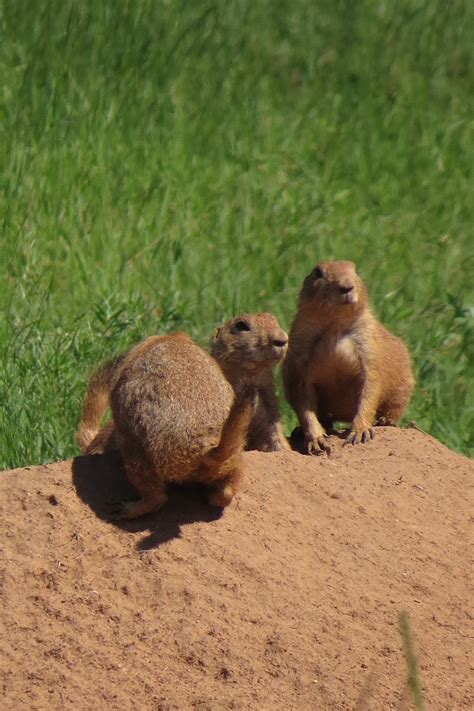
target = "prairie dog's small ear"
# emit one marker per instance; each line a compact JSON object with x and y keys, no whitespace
{"x":215,"y":334}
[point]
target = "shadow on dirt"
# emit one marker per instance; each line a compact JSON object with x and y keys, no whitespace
{"x":99,"y":479}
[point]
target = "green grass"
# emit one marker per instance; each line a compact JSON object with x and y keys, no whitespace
{"x":167,"y":164}
{"x":414,"y":678}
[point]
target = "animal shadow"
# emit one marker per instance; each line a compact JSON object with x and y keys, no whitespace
{"x":100,"y":478}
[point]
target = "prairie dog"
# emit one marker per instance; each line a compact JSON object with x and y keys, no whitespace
{"x":175,"y":419}
{"x":248,"y":348}
{"x":342,"y":364}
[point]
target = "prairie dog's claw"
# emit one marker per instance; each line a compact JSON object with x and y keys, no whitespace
{"x":359,"y":435}
{"x":318,"y":446}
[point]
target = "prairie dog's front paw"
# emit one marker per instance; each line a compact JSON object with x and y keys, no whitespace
{"x":318,"y":446}
{"x":359,"y":433}
{"x":313,"y":444}
{"x":316,"y":441}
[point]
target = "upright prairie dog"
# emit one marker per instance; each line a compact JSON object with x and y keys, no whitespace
{"x":247,"y":348}
{"x":342,"y":364}
{"x":175,"y":419}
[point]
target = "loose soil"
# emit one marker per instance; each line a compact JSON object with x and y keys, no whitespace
{"x":289,"y":599}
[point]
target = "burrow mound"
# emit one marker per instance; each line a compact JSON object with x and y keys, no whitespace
{"x":288,"y":600}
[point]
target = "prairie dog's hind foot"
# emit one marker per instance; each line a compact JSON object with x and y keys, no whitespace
{"x":385,"y":422}
{"x":221,"y":494}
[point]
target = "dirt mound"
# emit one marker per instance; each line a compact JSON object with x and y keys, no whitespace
{"x":288,"y":600}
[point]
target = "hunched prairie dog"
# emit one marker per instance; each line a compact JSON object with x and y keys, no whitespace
{"x":247,"y":348}
{"x":342,"y":364}
{"x":175,"y":419}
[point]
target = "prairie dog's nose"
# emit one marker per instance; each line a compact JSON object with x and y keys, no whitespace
{"x":281,"y":339}
{"x":345,"y":289}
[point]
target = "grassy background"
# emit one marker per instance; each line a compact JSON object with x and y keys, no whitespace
{"x":166,"y":164}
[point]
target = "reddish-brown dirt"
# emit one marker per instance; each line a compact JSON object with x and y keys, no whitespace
{"x":288,"y":600}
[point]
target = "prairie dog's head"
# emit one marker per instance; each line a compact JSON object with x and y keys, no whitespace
{"x":335,"y":286}
{"x":249,"y":342}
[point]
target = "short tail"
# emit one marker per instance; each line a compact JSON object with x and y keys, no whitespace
{"x":104,"y":441}
{"x":96,"y":402}
{"x":234,"y":431}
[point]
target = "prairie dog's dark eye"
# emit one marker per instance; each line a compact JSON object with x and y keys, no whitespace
{"x":318,"y":273}
{"x":242,"y":326}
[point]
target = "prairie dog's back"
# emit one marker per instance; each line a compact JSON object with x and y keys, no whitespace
{"x":171,"y":397}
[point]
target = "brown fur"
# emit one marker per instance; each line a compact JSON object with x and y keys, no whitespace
{"x":342,"y":364}
{"x":175,"y":419}
{"x":248,"y":347}
{"x":92,"y":439}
